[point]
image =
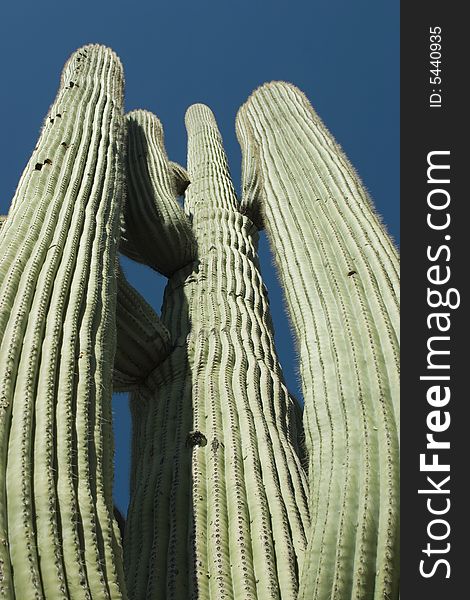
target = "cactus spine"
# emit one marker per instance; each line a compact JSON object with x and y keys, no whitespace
{"x":339,"y":271}
{"x":214,"y":422}
{"x":57,"y":302}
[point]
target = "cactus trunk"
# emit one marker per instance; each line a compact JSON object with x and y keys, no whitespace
{"x":215,"y":454}
{"x":57,"y":302}
{"x":339,"y":272}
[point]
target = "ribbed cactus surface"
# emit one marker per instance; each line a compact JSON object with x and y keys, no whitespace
{"x":155,"y":232}
{"x":58,"y":246}
{"x":143,"y":342}
{"x":339,"y":271}
{"x":219,"y":500}
{"x":223,"y":504}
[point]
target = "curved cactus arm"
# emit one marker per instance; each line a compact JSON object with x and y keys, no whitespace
{"x":339,"y":271}
{"x":57,"y":335}
{"x":154,"y":221}
{"x":143,"y":342}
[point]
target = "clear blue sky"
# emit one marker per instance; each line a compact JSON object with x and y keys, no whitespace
{"x":344,"y":55}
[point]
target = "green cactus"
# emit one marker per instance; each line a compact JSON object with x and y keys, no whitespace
{"x":58,"y":247}
{"x":222,"y":502}
{"x":215,"y":451}
{"x":339,"y":272}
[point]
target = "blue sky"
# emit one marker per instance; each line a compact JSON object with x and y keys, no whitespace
{"x":344,"y":55}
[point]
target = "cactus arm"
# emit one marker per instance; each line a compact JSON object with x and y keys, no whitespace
{"x":160,"y":231}
{"x":340,"y":275}
{"x":143,"y":342}
{"x":211,"y":184}
{"x":57,"y":269}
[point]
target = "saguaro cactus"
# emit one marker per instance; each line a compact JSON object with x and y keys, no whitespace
{"x":340,"y":276}
{"x":215,"y":455}
{"x":222,"y":503}
{"x":58,"y":250}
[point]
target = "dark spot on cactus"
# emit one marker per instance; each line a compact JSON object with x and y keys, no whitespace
{"x":350,"y":273}
{"x":196,"y":438}
{"x":64,"y":144}
{"x":72,"y":84}
{"x":59,"y":115}
{"x":38,"y":166}
{"x":51,"y":120}
{"x":48,"y":161}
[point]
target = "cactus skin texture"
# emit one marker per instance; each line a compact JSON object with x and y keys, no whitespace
{"x":221,"y":506}
{"x":339,"y":271}
{"x":218,"y":495}
{"x":58,"y":249}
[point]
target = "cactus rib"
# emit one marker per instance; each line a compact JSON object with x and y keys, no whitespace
{"x":143,"y":342}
